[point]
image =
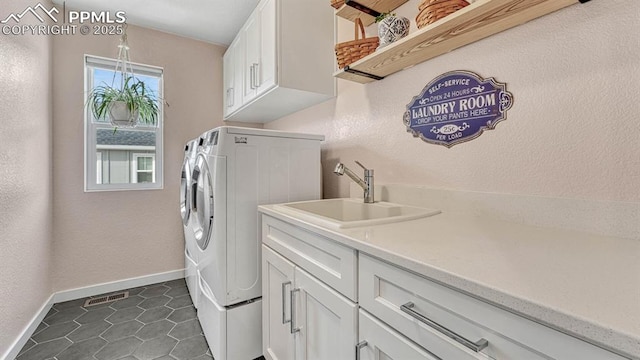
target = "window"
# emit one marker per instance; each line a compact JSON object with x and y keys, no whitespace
{"x":127,"y":158}
{"x":143,"y":168}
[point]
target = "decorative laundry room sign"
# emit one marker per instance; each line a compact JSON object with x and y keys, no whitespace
{"x":456,"y":107}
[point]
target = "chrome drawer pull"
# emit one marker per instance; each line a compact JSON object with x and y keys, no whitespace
{"x":359,"y":346}
{"x":475,"y":346}
{"x":256,"y":76}
{"x":294,"y":329}
{"x":284,"y":296}
{"x":251,"y":69}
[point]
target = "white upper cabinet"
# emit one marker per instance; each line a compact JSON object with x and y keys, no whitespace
{"x":260,"y":48}
{"x":284,"y":61}
{"x":251,"y":35}
{"x":233,"y":80}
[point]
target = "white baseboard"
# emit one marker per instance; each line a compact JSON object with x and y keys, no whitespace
{"x":20,"y":342}
{"x":112,"y":286}
{"x":78,"y":293}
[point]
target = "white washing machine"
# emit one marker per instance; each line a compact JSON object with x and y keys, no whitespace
{"x":186,"y":196}
{"x":236,"y":170}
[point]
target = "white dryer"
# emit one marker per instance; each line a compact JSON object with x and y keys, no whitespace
{"x":186,"y":196}
{"x":236,"y":170}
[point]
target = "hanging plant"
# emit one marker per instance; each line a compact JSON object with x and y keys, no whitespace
{"x":383,"y":15}
{"x":128,"y":104}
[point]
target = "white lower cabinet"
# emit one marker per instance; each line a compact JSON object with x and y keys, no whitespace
{"x":311,"y":284}
{"x":303,"y":318}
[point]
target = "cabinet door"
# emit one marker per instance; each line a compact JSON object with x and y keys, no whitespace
{"x":266,"y":70}
{"x":228,"y":69}
{"x":380,"y":342}
{"x":251,"y":64}
{"x":260,"y":65}
{"x":325,"y":322}
{"x":238,"y":80}
{"x":232,"y":77}
{"x":277,"y":284}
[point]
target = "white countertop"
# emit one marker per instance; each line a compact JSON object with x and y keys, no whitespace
{"x":582,"y":284}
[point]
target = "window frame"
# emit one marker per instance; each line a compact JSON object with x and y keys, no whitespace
{"x":91,"y":126}
{"x":98,"y":167}
{"x":134,"y":166}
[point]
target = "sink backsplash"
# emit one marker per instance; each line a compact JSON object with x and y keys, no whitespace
{"x":607,"y":218}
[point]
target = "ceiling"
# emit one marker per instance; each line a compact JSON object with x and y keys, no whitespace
{"x":214,"y":21}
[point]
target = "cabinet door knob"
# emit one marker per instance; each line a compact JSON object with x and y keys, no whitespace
{"x":475,"y":346}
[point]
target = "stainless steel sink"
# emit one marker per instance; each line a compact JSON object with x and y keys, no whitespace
{"x":349,"y":213}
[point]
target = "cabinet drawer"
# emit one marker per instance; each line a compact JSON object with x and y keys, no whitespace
{"x":332,"y":263}
{"x":378,"y":341}
{"x":384,"y":288}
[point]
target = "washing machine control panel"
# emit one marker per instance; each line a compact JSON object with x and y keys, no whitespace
{"x":213,"y":138}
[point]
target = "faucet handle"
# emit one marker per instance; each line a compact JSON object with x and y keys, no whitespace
{"x":362,"y":166}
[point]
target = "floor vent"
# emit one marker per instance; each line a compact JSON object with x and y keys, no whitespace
{"x":106,"y":299}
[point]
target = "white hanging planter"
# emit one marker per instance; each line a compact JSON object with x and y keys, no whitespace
{"x":128,"y":103}
{"x":121,"y":116}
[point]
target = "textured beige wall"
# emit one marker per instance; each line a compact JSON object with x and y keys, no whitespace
{"x":108,"y":236}
{"x":573,"y":131}
{"x":25,"y":177}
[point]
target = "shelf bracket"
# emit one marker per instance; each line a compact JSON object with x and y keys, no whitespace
{"x":362,"y":73}
{"x":362,"y":8}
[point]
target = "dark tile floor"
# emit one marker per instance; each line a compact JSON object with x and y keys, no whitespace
{"x":156,"y":322}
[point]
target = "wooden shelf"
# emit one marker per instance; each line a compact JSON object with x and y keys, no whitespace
{"x":350,"y":13}
{"x":477,"y":21}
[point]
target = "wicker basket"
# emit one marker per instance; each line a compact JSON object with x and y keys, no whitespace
{"x":433,"y":10}
{"x":350,"y":51}
{"x":337,"y":3}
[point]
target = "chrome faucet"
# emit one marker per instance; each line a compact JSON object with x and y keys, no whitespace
{"x":366,"y":184}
